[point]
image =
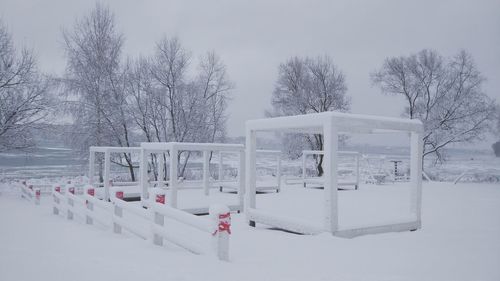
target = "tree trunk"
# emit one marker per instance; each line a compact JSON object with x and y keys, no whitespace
{"x":319,"y":166}
{"x":128,"y":159}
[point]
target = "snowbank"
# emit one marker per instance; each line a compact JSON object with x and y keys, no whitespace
{"x":460,"y":240}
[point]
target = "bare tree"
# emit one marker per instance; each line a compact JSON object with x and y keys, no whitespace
{"x":95,"y":84}
{"x":171,"y":105}
{"x":444,"y":93}
{"x":309,"y":85}
{"x":24,"y":95}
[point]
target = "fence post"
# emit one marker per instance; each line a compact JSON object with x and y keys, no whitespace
{"x":158,"y":218}
{"x":118,"y":212}
{"x":90,"y":206}
{"x":55,"y":209}
{"x":206,"y":172}
{"x":38,"y":193}
{"x":70,"y":204}
{"x":221,"y":218}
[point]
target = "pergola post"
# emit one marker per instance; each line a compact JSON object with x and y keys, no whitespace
{"x":143,"y":177}
{"x":278,"y":171}
{"x":206,"y":172}
{"x":250,"y":174}
{"x":173,"y":177}
{"x":304,"y":156}
{"x":330,"y":134}
{"x":221,"y":163}
{"x":91,"y":167}
{"x":107,"y":170}
{"x":161,"y":168}
{"x":241,"y":179}
{"x":416,"y":175}
{"x":357,"y":170}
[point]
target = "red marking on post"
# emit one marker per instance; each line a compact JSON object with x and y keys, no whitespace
{"x":72,"y":190}
{"x":91,"y":191}
{"x":37,"y":193}
{"x":58,"y":189}
{"x":119,"y":194}
{"x":224,"y":224}
{"x":160,"y":198}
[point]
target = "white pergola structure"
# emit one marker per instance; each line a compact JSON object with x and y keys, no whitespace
{"x":354,"y":154}
{"x":107,"y":151}
{"x":330,"y":125}
{"x":172,"y":148}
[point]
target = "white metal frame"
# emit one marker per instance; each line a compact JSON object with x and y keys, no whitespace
{"x":307,"y":180}
{"x":330,"y":124}
{"x":173,"y":184}
{"x":107,"y":150}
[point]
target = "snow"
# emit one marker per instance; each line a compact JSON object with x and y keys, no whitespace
{"x":459,"y":240}
{"x":345,"y":122}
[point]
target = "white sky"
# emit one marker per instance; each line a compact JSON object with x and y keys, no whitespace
{"x":253,"y":37}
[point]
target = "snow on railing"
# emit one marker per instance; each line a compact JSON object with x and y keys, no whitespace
{"x":30,"y":193}
{"x":91,"y":203}
{"x":58,"y":202}
{"x":118,"y":220}
{"x":71,"y":198}
{"x":217,"y":225}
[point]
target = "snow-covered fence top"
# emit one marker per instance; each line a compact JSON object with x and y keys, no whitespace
{"x":133,"y":217}
{"x":30,"y":193}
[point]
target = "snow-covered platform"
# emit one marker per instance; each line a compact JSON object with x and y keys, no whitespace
{"x":459,"y":240}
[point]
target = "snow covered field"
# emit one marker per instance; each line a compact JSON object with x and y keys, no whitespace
{"x":460,"y":240}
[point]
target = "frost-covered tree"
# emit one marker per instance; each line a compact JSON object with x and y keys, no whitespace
{"x":444,"y":93}
{"x":94,"y":84}
{"x":308,"y":85}
{"x":169,"y":104}
{"x":24,"y":94}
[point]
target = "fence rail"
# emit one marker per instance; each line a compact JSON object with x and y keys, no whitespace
{"x":216,"y":226}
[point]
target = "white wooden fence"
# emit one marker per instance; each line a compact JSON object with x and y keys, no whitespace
{"x":118,"y":212}
{"x":30,"y":193}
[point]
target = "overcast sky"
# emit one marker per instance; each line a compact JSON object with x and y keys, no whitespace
{"x":254,"y":37}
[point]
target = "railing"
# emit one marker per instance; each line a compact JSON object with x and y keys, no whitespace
{"x":30,"y":193}
{"x":58,"y":202}
{"x":92,"y":202}
{"x":118,"y":220}
{"x":217,"y":226}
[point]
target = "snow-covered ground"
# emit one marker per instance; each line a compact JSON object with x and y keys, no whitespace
{"x":460,"y":240}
